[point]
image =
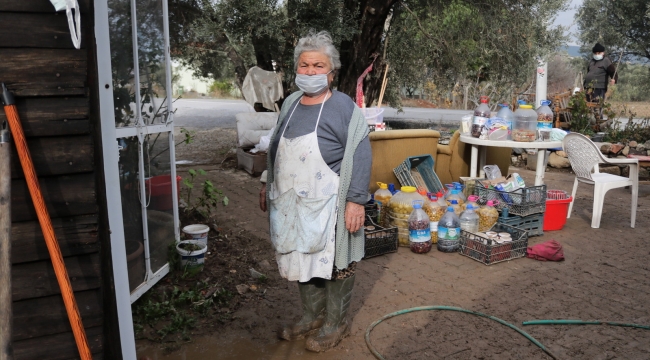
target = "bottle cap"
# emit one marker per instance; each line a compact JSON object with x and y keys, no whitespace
{"x":525,"y":106}
{"x":382,"y":185}
{"x":545,"y":102}
{"x":454,"y":202}
{"x":484,"y":99}
{"x":450,"y":209}
{"x":470,"y":207}
{"x":408,"y":189}
{"x":422,"y":191}
{"x":417,"y":204}
{"x":472,"y":198}
{"x":490,"y":203}
{"x":439,"y":194}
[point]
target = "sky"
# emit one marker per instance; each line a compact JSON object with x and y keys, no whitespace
{"x":565,"y":18}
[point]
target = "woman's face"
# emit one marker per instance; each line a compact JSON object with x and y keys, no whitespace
{"x":313,"y":63}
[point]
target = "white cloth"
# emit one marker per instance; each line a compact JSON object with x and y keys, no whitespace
{"x":303,"y":208}
{"x":261,"y":86}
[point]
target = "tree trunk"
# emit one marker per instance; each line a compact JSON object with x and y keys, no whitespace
{"x":357,"y":54}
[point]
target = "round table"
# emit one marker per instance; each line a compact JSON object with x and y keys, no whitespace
{"x":476,"y":142}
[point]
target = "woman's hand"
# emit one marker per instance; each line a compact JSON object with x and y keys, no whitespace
{"x":354,"y":216}
{"x":263,"y":198}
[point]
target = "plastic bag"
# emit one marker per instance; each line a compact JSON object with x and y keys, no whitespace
{"x":73,"y":24}
{"x":492,"y":172}
{"x":265,"y":141}
{"x":557,"y":134}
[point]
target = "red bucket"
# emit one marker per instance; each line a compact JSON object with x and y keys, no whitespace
{"x":160,"y":189}
{"x":557,"y":207}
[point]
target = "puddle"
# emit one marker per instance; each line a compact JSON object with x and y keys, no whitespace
{"x":216,"y":347}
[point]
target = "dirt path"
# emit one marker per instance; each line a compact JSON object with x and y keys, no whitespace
{"x":604,"y":277}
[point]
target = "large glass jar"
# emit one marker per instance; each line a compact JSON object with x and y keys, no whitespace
{"x":524,"y":127}
{"x":400,"y":208}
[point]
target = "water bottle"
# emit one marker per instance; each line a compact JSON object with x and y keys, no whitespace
{"x":419,"y":229}
{"x":481,"y":115}
{"x":506,"y":114}
{"x":449,"y":231}
{"x":469,"y":220}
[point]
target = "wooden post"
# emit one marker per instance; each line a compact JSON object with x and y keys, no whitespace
{"x":6,"y":352}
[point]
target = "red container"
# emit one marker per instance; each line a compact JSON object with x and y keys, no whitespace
{"x":160,"y":189}
{"x":557,"y":207}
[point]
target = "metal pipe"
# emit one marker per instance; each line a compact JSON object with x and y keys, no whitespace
{"x":6,"y":317}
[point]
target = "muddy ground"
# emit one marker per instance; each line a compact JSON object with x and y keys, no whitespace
{"x":604,"y":277}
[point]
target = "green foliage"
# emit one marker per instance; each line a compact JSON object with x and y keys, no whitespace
{"x":633,"y":83}
{"x":638,"y":131}
{"x":581,"y":114}
{"x":168,"y":311}
{"x":622,"y":26}
{"x":470,"y":48}
{"x":208,"y":199}
{"x":222,"y":87}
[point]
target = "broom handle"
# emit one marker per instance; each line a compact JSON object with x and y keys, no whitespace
{"x":48,"y":231}
{"x":383,"y":88}
{"x":5,"y":244}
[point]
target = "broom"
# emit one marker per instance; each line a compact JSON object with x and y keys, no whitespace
{"x":46,"y":224}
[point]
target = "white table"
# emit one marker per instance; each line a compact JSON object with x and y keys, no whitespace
{"x":475,"y":142}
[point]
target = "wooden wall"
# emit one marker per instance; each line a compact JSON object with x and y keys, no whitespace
{"x":50,"y":79}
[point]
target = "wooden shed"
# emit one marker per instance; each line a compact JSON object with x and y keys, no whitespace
{"x":100,"y":132}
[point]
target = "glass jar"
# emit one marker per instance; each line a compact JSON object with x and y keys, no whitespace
{"x":524,"y":127}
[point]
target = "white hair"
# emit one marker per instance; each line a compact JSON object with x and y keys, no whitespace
{"x":321,"y":42}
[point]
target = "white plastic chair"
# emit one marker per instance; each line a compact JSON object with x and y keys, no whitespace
{"x":585,"y":156}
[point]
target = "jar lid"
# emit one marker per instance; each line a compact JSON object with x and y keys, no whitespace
{"x":382,"y":185}
{"x":525,"y":106}
{"x":408,"y":189}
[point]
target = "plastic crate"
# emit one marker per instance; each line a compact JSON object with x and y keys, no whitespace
{"x":534,"y":224}
{"x":522,"y":202}
{"x":557,"y":207}
{"x":487,"y":251}
{"x":380,"y":240}
{"x":418,"y":171}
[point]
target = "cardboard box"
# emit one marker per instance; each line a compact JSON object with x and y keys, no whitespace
{"x":253,"y":164}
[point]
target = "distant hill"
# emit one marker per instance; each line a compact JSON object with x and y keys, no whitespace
{"x":573,"y":50}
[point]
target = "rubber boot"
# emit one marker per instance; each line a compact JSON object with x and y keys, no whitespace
{"x":312,"y":296}
{"x":336,"y":327}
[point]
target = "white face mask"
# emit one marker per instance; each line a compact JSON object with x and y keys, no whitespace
{"x":312,"y":85}
{"x":598,"y":57}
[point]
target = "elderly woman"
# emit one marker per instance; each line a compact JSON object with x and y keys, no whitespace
{"x":317,"y":183}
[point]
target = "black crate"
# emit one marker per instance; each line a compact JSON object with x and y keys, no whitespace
{"x":533,"y":224}
{"x":372,"y":210}
{"x":523,"y":202}
{"x":380,"y":240}
{"x":487,"y":251}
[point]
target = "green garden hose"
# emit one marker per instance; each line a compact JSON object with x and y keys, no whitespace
{"x":449,"y":308}
{"x":582,"y":322}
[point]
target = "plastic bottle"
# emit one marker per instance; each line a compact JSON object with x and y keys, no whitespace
{"x":455,"y":195}
{"x":449,"y":231}
{"x":391,"y":188}
{"x":524,"y":128}
{"x":469,"y":220}
{"x":481,"y":115}
{"x":458,"y":186}
{"x":453,"y":203}
{"x":400,"y":207}
{"x":488,"y":216}
{"x":419,"y":229}
{"x":544,"y":121}
{"x":382,"y":194}
{"x":506,"y":114}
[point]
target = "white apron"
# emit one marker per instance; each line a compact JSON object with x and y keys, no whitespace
{"x":303,"y":205}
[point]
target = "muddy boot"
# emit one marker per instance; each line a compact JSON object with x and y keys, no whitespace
{"x":336,"y":327}
{"x":312,"y":296}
